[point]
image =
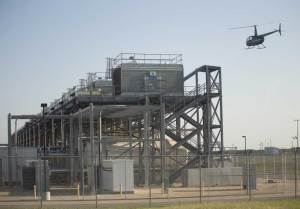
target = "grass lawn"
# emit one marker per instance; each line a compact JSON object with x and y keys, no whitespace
{"x":263,"y":204}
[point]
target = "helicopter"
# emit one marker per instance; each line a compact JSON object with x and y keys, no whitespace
{"x":258,"y":39}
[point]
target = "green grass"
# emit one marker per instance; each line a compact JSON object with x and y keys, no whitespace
{"x":260,"y":204}
{"x":267,"y":204}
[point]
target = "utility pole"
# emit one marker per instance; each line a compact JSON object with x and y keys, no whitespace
{"x":245,"y":138}
{"x":297,"y":136}
{"x":296,"y":163}
{"x":44,"y":105}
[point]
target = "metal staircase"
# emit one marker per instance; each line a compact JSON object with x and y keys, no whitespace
{"x":196,"y":122}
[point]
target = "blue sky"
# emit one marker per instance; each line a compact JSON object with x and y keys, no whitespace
{"x":46,"y":46}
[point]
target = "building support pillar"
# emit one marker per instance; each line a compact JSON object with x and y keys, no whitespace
{"x":130,"y":136}
{"x":34,"y":135}
{"x":53,"y":132}
{"x":62,"y":131}
{"x":100,"y":153}
{"x":140,"y":155}
{"x":29,"y":137}
{"x":9,"y":147}
{"x":147,"y":157}
{"x":164,"y":184}
{"x":81,"y":152}
{"x":16,"y":133}
{"x":39,"y":135}
{"x":92,"y":155}
{"x":71,"y":143}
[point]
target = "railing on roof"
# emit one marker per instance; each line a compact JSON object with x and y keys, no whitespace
{"x":84,"y":85}
{"x":141,"y":58}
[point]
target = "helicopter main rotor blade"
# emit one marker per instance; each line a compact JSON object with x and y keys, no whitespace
{"x":250,"y":26}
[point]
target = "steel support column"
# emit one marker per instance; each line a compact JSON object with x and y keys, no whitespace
{"x":39,"y":135}
{"x":146,"y":149}
{"x":81,"y":152}
{"x":92,"y":157}
{"x":100,"y":153}
{"x":130,"y":136}
{"x":52,"y":132}
{"x":9,"y":148}
{"x":71,"y":144}
{"x":16,"y":133}
{"x":62,"y":131}
{"x":34,"y":136}
{"x":29,"y":136}
{"x":164,"y":184}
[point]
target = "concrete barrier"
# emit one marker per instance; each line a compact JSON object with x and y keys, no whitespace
{"x":228,"y":176}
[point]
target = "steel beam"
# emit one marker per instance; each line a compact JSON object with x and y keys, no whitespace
{"x":39,"y":117}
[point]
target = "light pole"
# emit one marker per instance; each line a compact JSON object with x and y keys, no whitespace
{"x":297,"y":136}
{"x":44,"y":105}
{"x":247,"y":166}
{"x":296,"y":163}
{"x":245,"y":138}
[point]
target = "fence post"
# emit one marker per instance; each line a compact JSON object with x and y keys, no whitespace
{"x":40,"y":182}
{"x":34,"y":191}
{"x":264,"y":166}
{"x":200,"y":180}
{"x":296,"y":172}
{"x":285,"y":168}
{"x":247,"y":170}
{"x":274,"y":167}
{"x":78,"y":190}
{"x":249,"y":176}
{"x":125,"y":189}
{"x":121,"y":190}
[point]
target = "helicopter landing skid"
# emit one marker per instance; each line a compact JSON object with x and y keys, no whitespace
{"x":261,"y":46}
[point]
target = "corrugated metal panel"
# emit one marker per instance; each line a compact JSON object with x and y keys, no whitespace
{"x":139,"y":79}
{"x":118,"y":174}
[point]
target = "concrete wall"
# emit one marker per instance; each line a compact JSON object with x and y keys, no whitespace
{"x":227,"y":176}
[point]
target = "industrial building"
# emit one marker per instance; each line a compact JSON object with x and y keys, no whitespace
{"x":142,"y":111}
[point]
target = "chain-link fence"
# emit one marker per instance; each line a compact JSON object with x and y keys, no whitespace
{"x":147,"y":180}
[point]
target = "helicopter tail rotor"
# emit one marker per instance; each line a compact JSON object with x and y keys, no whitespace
{"x":279,"y":29}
